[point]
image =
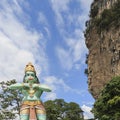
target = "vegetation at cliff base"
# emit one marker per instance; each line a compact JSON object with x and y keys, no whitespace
{"x":107,"y":106}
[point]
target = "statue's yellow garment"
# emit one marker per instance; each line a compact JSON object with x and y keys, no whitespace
{"x":32,"y":108}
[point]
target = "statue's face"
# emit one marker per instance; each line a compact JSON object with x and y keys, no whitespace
{"x":30,"y":77}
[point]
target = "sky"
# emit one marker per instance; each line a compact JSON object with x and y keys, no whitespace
{"x":48,"y":33}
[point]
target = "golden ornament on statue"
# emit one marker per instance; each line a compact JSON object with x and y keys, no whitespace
{"x":30,"y":67}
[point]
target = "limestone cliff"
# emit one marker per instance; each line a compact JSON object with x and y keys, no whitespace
{"x":103,"y":41}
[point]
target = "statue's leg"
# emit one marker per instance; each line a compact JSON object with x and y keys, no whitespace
{"x":24,"y":112}
{"x":41,"y":117}
{"x":41,"y":113}
{"x":24,"y":117}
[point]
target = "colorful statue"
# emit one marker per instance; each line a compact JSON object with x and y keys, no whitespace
{"x":32,"y":107}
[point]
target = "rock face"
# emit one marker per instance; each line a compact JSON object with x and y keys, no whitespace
{"x":104,"y":50}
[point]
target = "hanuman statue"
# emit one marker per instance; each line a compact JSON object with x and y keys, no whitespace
{"x":32,"y":107}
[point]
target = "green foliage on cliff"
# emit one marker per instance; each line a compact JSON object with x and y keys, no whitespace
{"x":94,"y":12}
{"x":109,"y":18}
{"x":107,"y":106}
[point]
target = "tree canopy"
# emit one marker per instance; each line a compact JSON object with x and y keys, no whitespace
{"x":9,"y":101}
{"x":107,"y":106}
{"x":61,"y":110}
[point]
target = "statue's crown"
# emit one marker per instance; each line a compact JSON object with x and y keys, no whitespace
{"x":30,"y":67}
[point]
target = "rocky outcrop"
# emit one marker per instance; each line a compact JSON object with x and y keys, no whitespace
{"x":104,"y":52}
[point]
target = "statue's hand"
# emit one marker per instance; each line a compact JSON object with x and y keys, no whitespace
{"x":25,"y":85}
{"x":35,"y":85}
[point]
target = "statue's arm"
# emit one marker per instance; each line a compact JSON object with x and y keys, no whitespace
{"x":44,"y":87}
{"x":16,"y":86}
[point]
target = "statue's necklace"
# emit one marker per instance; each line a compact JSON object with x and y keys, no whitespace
{"x":31,"y":91}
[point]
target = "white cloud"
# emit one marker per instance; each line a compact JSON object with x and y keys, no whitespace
{"x":64,"y":57}
{"x":74,"y":54}
{"x":77,"y":66}
{"x":44,"y":22}
{"x":19,"y":45}
{"x":63,"y":13}
{"x":50,"y":96}
{"x":42,"y":19}
{"x":85,"y":5}
{"x":58,"y":7}
{"x":87,"y":112}
{"x":57,"y":84}
{"x":71,"y":24}
{"x":77,"y":47}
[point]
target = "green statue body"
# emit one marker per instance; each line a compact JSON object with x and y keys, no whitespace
{"x":31,"y":107}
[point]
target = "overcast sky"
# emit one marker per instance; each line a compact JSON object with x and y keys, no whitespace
{"x":48,"y":33}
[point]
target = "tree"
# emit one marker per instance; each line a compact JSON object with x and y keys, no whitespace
{"x":61,"y":110}
{"x":107,"y":106}
{"x":9,"y":101}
